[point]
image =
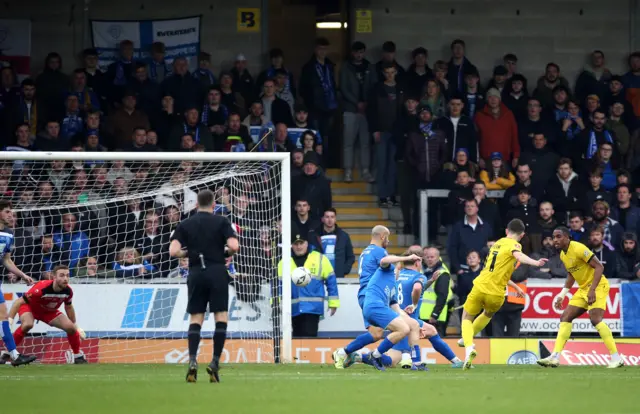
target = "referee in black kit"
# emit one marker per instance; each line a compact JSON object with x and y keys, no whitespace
{"x":206,"y":239}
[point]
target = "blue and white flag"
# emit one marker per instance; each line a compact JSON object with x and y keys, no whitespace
{"x":181,"y":38}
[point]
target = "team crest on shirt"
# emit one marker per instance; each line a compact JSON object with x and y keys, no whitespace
{"x":389,"y":292}
{"x":518,"y":246}
{"x":586,"y":254}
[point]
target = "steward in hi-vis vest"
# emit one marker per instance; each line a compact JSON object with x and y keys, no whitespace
{"x":307,"y":303}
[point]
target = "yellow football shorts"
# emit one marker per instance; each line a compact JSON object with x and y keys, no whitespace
{"x":579,"y":299}
{"x":478,"y":301}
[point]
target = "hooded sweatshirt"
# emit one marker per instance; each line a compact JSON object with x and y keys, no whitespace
{"x":626,"y":261}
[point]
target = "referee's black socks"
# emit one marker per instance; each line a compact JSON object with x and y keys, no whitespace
{"x":194,"y":341}
{"x":219,"y":336}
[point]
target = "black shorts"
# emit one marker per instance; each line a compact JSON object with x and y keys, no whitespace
{"x":208,"y":287}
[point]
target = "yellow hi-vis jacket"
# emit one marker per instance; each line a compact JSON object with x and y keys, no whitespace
{"x":430,"y":297}
{"x":310,"y":298}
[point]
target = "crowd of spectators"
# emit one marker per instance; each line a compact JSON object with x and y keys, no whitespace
{"x":562,"y":155}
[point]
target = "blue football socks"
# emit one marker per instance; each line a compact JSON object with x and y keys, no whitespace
{"x":359,"y":343}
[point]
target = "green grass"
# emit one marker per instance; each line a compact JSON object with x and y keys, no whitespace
{"x":306,"y":389}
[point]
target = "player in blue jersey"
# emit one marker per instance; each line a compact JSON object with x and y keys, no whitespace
{"x":411,"y":285}
{"x":6,"y":247}
{"x":368,"y":263}
{"x":381,"y":309}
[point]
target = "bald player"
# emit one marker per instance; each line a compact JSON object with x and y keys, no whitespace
{"x":368,"y":263}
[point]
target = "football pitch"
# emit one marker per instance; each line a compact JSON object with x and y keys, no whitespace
{"x":304,"y":389}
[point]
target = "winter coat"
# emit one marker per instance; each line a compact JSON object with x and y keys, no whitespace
{"x":350,"y":85}
{"x":464,"y":136}
{"x":498,"y":134}
{"x":316,"y":189}
{"x":545,"y":94}
{"x":338,"y":251}
{"x":310,"y":86}
{"x":564,"y":202}
{"x":185,"y":90}
{"x":543,"y":163}
{"x":425,"y":154}
{"x":590,"y":82}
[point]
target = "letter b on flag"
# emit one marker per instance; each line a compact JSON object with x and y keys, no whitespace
{"x":248,"y":20}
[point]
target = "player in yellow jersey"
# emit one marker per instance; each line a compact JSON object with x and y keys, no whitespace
{"x":585,"y":268}
{"x":489,"y":287}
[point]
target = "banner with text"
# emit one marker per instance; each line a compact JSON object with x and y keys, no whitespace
{"x":539,"y":314}
{"x":181,"y":38}
{"x":595,"y":353}
{"x":15,"y":46}
{"x":150,"y":311}
{"x":158,"y":311}
{"x":305,"y":351}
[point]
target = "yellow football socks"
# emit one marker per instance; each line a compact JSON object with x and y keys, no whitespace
{"x":467,"y":332}
{"x":480,"y":323}
{"x":607,"y":337}
{"x":564,"y":333}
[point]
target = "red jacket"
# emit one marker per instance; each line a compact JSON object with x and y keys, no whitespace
{"x":498,"y":135}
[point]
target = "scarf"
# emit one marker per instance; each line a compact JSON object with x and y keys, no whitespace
{"x":426,"y":130}
{"x":72,"y":124}
{"x":205,"y":73}
{"x":271,"y":72}
{"x":326,"y":80}
{"x":196,"y":136}
{"x":84,"y":99}
{"x":574,"y":129}
{"x":30,"y":118}
{"x":593,"y":144}
{"x":120,"y":79}
{"x":205,"y":113}
{"x":153,"y":70}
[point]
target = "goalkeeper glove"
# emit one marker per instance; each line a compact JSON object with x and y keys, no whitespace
{"x":83,"y":335}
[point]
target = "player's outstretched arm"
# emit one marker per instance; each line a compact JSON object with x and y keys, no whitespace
{"x":393,"y":259}
{"x":12,"y":268}
{"x":524,"y":259}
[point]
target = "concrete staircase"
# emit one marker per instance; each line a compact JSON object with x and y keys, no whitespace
{"x":358,"y":213}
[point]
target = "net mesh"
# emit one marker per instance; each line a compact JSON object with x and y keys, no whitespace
{"x":111,"y":222}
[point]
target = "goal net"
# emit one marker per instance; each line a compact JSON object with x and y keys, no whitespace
{"x":109,"y":217}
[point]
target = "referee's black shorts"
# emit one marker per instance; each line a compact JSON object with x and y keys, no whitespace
{"x":208,"y":286}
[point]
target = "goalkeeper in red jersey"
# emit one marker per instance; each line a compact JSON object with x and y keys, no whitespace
{"x":41,"y":303}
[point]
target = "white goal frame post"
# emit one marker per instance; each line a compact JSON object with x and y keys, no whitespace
{"x":284,"y":159}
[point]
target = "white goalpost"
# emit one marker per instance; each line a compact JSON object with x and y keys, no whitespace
{"x":109,"y":217}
